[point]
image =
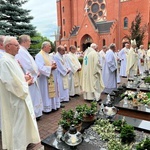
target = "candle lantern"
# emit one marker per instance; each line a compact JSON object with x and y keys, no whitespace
{"x":112,"y":96}
{"x":121,"y":89}
{"x":72,"y":137}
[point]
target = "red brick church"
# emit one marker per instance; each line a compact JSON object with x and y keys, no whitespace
{"x":81,"y":22}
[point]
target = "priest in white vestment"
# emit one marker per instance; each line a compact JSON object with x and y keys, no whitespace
{"x":91,"y":79}
{"x":19,"y":127}
{"x":74,"y":76}
{"x":102,"y":54}
{"x":48,"y":79}
{"x":2,"y":51}
{"x":142,"y":60}
{"x":123,"y":57}
{"x":29,"y":67}
{"x":62,"y":74}
{"x":148,"y":58}
{"x":110,"y":70}
{"x":132,"y":60}
{"x":1,"y":45}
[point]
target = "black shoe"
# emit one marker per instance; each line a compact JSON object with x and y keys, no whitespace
{"x":38,"y":118}
{"x":77,"y":95}
{"x":46,"y":112}
{"x":62,"y":105}
{"x":72,"y":96}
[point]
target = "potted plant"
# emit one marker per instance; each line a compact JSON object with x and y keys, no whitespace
{"x":69,"y":118}
{"x":89,"y":112}
{"x":64,"y":124}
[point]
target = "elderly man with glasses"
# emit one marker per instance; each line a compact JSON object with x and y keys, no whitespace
{"x":19,"y":127}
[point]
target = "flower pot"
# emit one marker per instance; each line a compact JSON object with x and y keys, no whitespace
{"x":89,"y":118}
{"x":79,"y":127}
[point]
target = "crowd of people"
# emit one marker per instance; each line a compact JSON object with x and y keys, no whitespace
{"x":33,"y":86}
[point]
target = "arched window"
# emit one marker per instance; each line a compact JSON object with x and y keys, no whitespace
{"x":125,"y":22}
{"x":104,"y":42}
{"x":63,"y":9}
{"x":114,"y":41}
{"x":63,"y":21}
{"x":64,"y":33}
{"x":75,"y":44}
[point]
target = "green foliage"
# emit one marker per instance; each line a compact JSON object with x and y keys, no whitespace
{"x":137,"y":31}
{"x":87,"y":110}
{"x":147,"y":80}
{"x":144,"y":144}
{"x":65,"y":124}
{"x":105,"y":129}
{"x":69,"y":117}
{"x":36,"y":42}
{"x":119,"y":124}
{"x":14,"y":20}
{"x":127,"y":134}
{"x":115,"y":144}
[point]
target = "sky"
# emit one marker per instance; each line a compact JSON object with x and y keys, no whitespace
{"x":45,"y":16}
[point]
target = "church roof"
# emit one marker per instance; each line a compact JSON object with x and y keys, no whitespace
{"x":74,"y":31}
{"x":104,"y":26}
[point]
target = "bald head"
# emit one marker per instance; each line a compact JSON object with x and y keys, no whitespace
{"x":61,"y":49}
{"x":112,"y":46}
{"x":94,"y":46}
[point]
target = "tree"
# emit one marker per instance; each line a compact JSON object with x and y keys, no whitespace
{"x":36,"y":43}
{"x":14,"y":20}
{"x":137,"y":31}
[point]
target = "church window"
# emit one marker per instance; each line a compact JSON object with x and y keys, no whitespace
{"x":104,"y":42}
{"x":114,"y":40}
{"x":75,"y":44}
{"x":125,"y":22}
{"x":90,"y":15}
{"x":95,"y":17}
{"x":89,"y":3}
{"x":100,"y":1}
{"x":63,"y":9}
{"x":100,"y":13}
{"x":64,"y":33}
{"x":103,"y":6}
{"x":95,"y":8}
{"x":63,"y":21}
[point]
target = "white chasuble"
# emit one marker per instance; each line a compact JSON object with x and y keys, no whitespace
{"x":51,"y":83}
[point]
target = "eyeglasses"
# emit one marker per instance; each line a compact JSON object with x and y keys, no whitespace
{"x":17,"y":45}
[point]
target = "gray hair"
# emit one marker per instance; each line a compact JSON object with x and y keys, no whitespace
{"x":23,"y":38}
{"x":141,"y":46}
{"x":104,"y":47}
{"x":8,"y":40}
{"x":72,"y":47}
{"x":93,"y":45}
{"x":45,"y":43}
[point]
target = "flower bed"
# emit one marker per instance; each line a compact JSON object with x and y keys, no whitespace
{"x":140,"y":97}
{"x":103,"y":134}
